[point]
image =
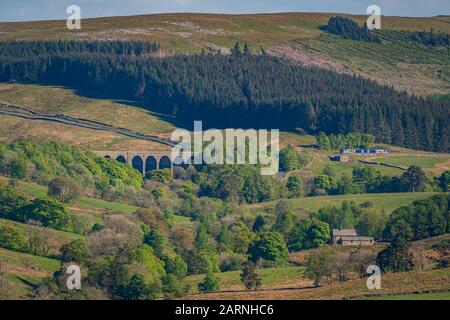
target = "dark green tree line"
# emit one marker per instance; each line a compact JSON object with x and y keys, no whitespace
{"x":241,"y":90}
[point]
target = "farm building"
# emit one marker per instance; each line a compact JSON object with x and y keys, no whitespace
{"x":349,"y":237}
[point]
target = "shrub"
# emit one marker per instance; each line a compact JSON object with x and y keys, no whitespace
{"x":201,"y":262}
{"x":233,"y":262}
{"x":249,"y":277}
{"x":11,"y":204}
{"x":415,"y":178}
{"x":443,"y":250}
{"x":145,"y":262}
{"x":137,"y":289}
{"x":444,"y":181}
{"x":176,"y":266}
{"x":50,"y":212}
{"x":320,"y":263}
{"x":270,"y":246}
{"x":211,"y":283}
{"x":153,"y":218}
{"x":12,"y":238}
{"x":395,"y":258}
{"x":259,"y":224}
{"x":288,"y":159}
{"x":294,"y":186}
{"x":241,"y":184}
{"x":76,"y":251}
{"x":173,"y":287}
{"x":18,"y":168}
{"x":297,"y":238}
{"x":64,"y":189}
{"x":420,"y":220}
{"x":318,"y":233}
{"x":163,"y":176}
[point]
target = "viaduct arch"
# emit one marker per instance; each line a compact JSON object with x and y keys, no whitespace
{"x":143,"y":161}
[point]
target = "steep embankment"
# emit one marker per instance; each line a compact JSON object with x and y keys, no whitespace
{"x":54,"y":101}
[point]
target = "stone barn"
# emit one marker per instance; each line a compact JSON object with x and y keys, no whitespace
{"x":349,"y":237}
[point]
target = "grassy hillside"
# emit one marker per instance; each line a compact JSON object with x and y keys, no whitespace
{"x":392,"y":283}
{"x":419,"y":296}
{"x":411,"y":67}
{"x":36,"y":190}
{"x":270,"y":278}
{"x":340,"y":168}
{"x":57,"y":100}
{"x":189,"y":31}
{"x":22,"y":272}
{"x":432,"y":163}
{"x":387,"y":201}
{"x":91,"y":206}
{"x":55,"y":238}
{"x":429,"y":162}
{"x":291,"y":283}
{"x":415,"y":68}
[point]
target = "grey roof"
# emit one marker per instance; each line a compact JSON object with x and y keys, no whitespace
{"x":344,"y":232}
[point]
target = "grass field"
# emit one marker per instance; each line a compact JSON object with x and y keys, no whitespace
{"x":55,"y":238}
{"x":269,"y":278}
{"x":387,"y":201}
{"x":60,"y":100}
{"x":296,"y":140}
{"x":102,"y":204}
{"x":432,"y":163}
{"x":424,"y":161}
{"x":290,"y":283}
{"x":420,"y":296}
{"x":57,"y":100}
{"x":31,"y":189}
{"x":36,"y":190}
{"x":341,"y":168}
{"x":392,"y":284}
{"x":21,"y":271}
{"x":22,"y":259}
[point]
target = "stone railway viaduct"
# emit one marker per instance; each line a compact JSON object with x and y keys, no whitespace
{"x":143,"y":161}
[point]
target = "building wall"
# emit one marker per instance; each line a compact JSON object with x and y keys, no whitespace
{"x":337,"y":240}
{"x":357,"y":243}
